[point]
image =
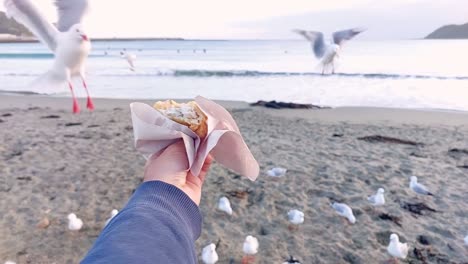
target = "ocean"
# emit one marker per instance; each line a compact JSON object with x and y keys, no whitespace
{"x":422,"y":74}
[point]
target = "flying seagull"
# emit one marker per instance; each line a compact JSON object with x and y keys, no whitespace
{"x":67,"y":40}
{"x":130,"y":58}
{"x":328,"y":52}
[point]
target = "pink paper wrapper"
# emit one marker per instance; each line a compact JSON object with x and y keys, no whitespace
{"x":153,"y":132}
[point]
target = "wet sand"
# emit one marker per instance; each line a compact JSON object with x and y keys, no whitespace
{"x":53,"y":163}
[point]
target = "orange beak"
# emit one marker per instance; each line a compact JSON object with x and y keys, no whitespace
{"x":84,"y":37}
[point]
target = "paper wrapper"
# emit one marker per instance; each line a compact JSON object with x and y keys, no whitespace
{"x":153,"y":132}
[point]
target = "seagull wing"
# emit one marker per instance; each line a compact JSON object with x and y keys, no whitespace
{"x":70,"y":12}
{"x":421,"y":189}
{"x":130,"y":59}
{"x":340,"y":208}
{"x":26,"y":13}
{"x":340,"y":36}
{"x":316,"y":39}
{"x":404,"y":249}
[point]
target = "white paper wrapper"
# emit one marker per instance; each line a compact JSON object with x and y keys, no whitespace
{"x":153,"y":132}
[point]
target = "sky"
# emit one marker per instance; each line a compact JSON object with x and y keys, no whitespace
{"x":266,"y":19}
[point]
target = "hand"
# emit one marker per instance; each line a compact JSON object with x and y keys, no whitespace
{"x":172,"y":167}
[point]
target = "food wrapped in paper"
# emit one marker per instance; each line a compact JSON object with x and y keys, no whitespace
{"x":153,"y":132}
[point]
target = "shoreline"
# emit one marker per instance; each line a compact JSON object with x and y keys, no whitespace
{"x":350,"y":114}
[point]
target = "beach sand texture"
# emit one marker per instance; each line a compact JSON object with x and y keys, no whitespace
{"x":53,"y":163}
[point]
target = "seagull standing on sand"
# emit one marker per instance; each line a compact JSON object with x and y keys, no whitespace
{"x":209,"y":255}
{"x":112,"y":215}
{"x":68,"y":41}
{"x":328,"y":52}
{"x":397,"y":249}
{"x":224,"y":205}
{"x":74,"y":223}
{"x":378,"y":198}
{"x":417,"y":187}
{"x":277,"y":172}
{"x":345,"y":211}
{"x":250,"y":248}
{"x":296,"y":217}
{"x":130,"y":58}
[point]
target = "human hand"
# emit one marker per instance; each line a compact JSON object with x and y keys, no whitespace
{"x":172,"y":167}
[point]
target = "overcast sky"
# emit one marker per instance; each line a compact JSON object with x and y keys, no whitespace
{"x":260,"y":19}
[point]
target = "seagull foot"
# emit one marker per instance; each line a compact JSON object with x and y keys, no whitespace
{"x":90,"y":104}
{"x":76,"y":107}
{"x":248,"y":260}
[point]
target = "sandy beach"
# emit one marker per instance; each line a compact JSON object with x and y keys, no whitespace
{"x":53,"y":163}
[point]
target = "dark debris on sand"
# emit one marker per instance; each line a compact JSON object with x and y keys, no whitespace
{"x":424,"y":240}
{"x":458,"y":151}
{"x":6,"y":115}
{"x":389,"y":217}
{"x":50,"y":117}
{"x":292,"y":259}
{"x":240,"y":194}
{"x":281,"y":105}
{"x":416,"y":208}
{"x":428,"y":255}
{"x":391,"y":140}
{"x":73,"y":124}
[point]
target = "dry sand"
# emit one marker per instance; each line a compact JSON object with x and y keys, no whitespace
{"x":53,"y":163}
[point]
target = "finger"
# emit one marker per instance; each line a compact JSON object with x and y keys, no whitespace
{"x":205,"y":168}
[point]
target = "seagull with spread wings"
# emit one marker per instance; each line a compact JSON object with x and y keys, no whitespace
{"x":67,"y":40}
{"x":328,"y":52}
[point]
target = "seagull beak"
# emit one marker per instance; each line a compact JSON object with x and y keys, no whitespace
{"x":85,"y":37}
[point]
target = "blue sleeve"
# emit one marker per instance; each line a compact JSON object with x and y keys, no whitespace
{"x":159,"y":224}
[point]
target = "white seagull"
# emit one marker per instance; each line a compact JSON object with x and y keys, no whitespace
{"x":466,"y":241}
{"x":296,"y":217}
{"x":114,"y":212}
{"x":328,"y":52}
{"x":130,"y":58}
{"x":74,"y":223}
{"x":378,"y":198}
{"x":397,"y":249}
{"x":345,"y":211}
{"x":209,"y":255}
{"x":417,"y":187}
{"x":277,"y":172}
{"x":224,"y":205}
{"x":250,"y":246}
{"x":68,"y":41}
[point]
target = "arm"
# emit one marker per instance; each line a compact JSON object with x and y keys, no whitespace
{"x":161,"y":221}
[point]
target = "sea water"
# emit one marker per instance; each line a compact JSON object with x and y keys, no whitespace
{"x":404,"y":74}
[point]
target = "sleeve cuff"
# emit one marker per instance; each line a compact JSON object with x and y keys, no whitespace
{"x":163,"y":196}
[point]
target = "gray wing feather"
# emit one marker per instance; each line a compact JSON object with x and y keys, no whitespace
{"x":26,"y":13}
{"x":419,"y":188}
{"x":70,"y":12}
{"x":339,"y":208}
{"x":340,"y":36}
{"x":316,"y":39}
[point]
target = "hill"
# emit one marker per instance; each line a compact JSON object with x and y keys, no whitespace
{"x":450,"y":32}
{"x":10,"y":26}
